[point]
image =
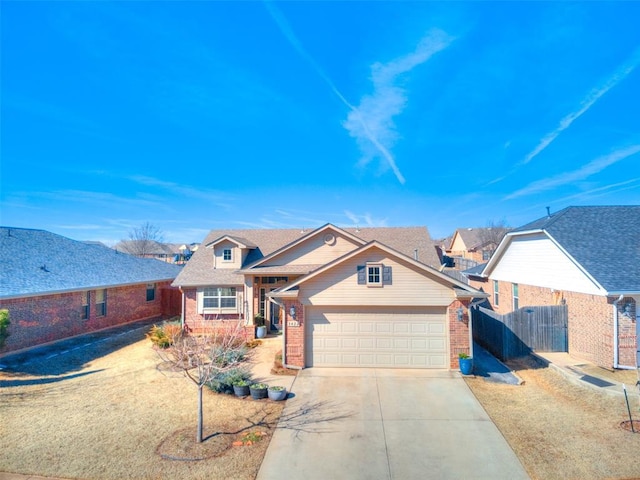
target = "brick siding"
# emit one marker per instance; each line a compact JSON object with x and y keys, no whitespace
{"x":458,"y":332}
{"x":47,"y":318}
{"x":590,"y":322}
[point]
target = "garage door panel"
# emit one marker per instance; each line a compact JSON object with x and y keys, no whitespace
{"x":374,"y":339}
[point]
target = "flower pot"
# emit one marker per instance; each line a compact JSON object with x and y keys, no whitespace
{"x":258,"y":393}
{"x":261,"y":331}
{"x":241,"y":390}
{"x":277,"y":395}
{"x":466,"y":365}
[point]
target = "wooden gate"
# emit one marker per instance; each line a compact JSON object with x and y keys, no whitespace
{"x":515,"y":334}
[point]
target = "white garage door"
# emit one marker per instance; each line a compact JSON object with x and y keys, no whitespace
{"x":394,"y":338}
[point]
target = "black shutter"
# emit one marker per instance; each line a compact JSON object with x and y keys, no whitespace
{"x":362,"y":274}
{"x":386,"y":275}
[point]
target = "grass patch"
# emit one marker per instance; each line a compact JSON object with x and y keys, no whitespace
{"x":122,"y":417}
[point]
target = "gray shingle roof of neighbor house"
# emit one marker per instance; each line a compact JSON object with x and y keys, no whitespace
{"x":199,"y":271}
{"x":37,"y":262}
{"x":605,"y":240}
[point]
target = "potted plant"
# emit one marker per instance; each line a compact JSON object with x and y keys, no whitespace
{"x":466,"y":363}
{"x":277,"y":393}
{"x":241,"y":388}
{"x":258,"y":390}
{"x":261,"y":329}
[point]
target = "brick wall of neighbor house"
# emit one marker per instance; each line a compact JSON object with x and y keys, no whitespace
{"x":458,"y":332}
{"x":47,"y":318}
{"x":198,"y":323}
{"x":590,"y":322}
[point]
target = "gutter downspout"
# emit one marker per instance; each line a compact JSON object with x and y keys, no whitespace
{"x":615,"y":331}
{"x":616,"y":340}
{"x":182,"y":308}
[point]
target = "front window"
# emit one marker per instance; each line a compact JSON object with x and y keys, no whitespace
{"x":219,"y":297}
{"x":85,"y":305}
{"x":151,"y":292}
{"x":515,"y":296}
{"x":101,"y":303}
{"x":495,"y":293}
{"x":227,"y":255}
{"x":374,"y":275}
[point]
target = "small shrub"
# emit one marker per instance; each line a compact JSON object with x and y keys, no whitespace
{"x":228,"y":357}
{"x":258,"y":386}
{"x":463,"y":355}
{"x":276,"y":388}
{"x":4,"y":326}
{"x":223,"y":382}
{"x":163,"y":337}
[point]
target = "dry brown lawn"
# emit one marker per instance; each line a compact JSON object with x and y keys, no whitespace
{"x":119,"y":416}
{"x":560,"y":430}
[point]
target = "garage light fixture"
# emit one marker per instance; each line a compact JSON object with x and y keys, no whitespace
{"x":460,"y":313}
{"x":292,"y":311}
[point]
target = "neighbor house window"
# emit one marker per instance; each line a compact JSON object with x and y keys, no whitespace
{"x":227,"y":255}
{"x":151,"y":292}
{"x":101,"y":302}
{"x":486,"y":255}
{"x":374,"y":275}
{"x":515,"y":296}
{"x":86,"y":298}
{"x":496,"y":298}
{"x":219,"y":297}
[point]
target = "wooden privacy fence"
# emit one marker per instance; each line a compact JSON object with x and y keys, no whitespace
{"x":516,"y":334}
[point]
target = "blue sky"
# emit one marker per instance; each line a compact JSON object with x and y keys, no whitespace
{"x":201,"y":115}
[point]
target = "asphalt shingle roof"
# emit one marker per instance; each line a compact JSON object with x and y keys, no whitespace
{"x":36,"y":262}
{"x":605,"y":240}
{"x":199,"y":269}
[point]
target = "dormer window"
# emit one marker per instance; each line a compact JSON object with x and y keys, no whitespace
{"x":227,"y":255}
{"x":374,"y":275}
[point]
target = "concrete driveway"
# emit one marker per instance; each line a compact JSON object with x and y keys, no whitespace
{"x":386,"y":424}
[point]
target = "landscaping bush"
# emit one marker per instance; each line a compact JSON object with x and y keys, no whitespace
{"x":165,"y":335}
{"x":223,"y":382}
{"x":4,"y":326}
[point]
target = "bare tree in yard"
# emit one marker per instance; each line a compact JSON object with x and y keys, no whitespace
{"x":202,"y":357}
{"x":143,"y":239}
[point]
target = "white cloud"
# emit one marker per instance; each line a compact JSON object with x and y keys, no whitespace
{"x":586,"y":171}
{"x":371,"y":123}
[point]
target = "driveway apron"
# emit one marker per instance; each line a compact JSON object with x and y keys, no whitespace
{"x":386,"y":424}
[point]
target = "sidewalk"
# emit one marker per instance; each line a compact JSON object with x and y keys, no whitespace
{"x":587,"y":374}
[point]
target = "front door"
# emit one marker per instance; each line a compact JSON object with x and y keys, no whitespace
{"x":274,"y":316}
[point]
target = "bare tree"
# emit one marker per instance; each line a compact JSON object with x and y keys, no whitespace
{"x":203,"y":357}
{"x":143,"y":239}
{"x":492,"y":235}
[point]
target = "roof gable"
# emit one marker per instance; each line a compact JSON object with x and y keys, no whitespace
{"x":604,"y":241}
{"x":270,"y":243}
{"x":239,"y":241}
{"x":37,"y":262}
{"x":425,"y":269}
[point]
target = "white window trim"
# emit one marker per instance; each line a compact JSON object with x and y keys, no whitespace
{"x":200,"y":299}
{"x":379,"y":282}
{"x":225,"y":250}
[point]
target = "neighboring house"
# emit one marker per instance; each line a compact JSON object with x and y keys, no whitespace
{"x":55,"y":287}
{"x":368,"y":297}
{"x":472,"y":246}
{"x":585,"y":257}
{"x":166,"y":252}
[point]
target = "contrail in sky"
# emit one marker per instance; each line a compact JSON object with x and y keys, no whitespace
{"x":593,"y":96}
{"x":359,"y":126}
